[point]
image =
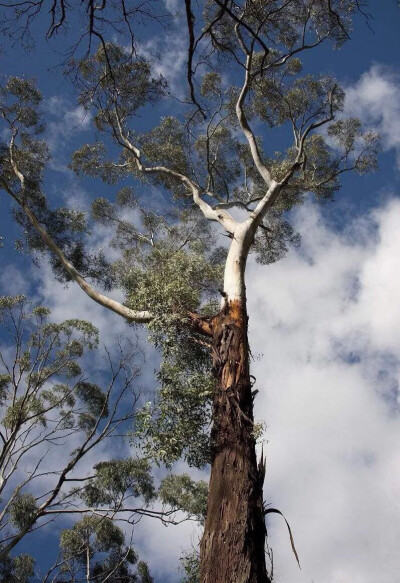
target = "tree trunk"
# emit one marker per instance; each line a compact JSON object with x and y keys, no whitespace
{"x":233,"y":544}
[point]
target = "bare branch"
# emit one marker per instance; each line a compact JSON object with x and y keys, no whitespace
{"x":131,"y":315}
{"x":262,"y":169}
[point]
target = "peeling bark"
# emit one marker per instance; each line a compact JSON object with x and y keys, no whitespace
{"x":233,"y":544}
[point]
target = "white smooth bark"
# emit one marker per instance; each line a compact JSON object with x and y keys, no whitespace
{"x":243,"y":236}
{"x":234,"y":282}
{"x":140,"y":316}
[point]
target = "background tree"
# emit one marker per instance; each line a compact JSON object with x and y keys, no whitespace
{"x":168,"y":267}
{"x":52,"y":417}
{"x":93,"y":550}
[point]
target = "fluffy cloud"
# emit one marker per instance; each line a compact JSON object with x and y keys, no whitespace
{"x":168,"y":57}
{"x":64,"y":122}
{"x":328,"y":321}
{"x":375,"y":98}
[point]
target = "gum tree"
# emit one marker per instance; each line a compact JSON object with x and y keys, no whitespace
{"x":50,"y":410}
{"x":94,"y":550}
{"x":222,"y":181}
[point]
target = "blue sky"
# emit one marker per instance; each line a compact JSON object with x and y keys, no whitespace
{"x":326,"y":335}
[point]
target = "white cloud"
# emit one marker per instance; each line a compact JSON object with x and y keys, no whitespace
{"x":375,"y":99}
{"x":168,"y":56}
{"x":173,"y":6}
{"x":64,"y":121}
{"x":12,"y":281}
{"x":327,"y":321}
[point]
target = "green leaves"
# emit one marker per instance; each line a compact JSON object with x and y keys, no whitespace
{"x":177,"y":424}
{"x":19,"y":100}
{"x":47,"y":352}
{"x":167,"y":144}
{"x":94,"y":548}
{"x":182,"y":493}
{"x":93,"y":397}
{"x":96,"y":533}
{"x":144,"y":573}
{"x":360,"y":148}
{"x":118,"y":84}
{"x":22,"y":410}
{"x":23,"y":510}
{"x":273,"y":239}
{"x":92,"y":160}
{"x":171,"y":281}
{"x":191,"y":567}
{"x":118,"y":479}
{"x":17,"y":569}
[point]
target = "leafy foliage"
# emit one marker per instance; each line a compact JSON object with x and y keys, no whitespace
{"x":144,"y":573}
{"x":17,"y":569}
{"x":117,"y":480}
{"x":95,"y":546}
{"x":190,"y":564}
{"x":117,"y":87}
{"x":23,"y":510}
{"x":178,"y":423}
{"x":180,"y":491}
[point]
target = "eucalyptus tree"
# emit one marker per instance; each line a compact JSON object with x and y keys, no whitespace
{"x":94,"y":551}
{"x":226,"y":183}
{"x":52,"y":419}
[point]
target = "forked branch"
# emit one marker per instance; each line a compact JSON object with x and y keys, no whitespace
{"x":220,"y":216}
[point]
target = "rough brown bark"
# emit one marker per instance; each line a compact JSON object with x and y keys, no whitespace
{"x":233,"y":544}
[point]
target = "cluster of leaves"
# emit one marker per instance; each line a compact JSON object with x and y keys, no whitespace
{"x":172,"y":282}
{"x":117,"y":480}
{"x":181,"y":492}
{"x":41,"y":380}
{"x":190,"y":565}
{"x":94,"y":548}
{"x":107,"y":79}
{"x":20,"y":109}
{"x":17,"y":569}
{"x":177,"y":424}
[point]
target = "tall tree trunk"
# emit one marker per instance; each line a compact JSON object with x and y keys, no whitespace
{"x":233,"y":544}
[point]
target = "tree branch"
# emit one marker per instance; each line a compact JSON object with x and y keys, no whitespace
{"x":219,"y":216}
{"x":131,"y":315}
{"x":262,"y":169}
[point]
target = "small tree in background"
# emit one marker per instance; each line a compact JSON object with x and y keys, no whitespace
{"x":93,"y":550}
{"x":210,"y":160}
{"x":52,"y":418}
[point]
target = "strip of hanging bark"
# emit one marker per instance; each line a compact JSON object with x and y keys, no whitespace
{"x":276,"y":511}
